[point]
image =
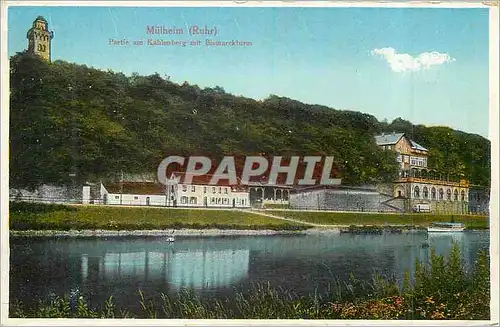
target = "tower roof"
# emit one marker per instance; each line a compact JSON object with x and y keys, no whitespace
{"x":41,"y":18}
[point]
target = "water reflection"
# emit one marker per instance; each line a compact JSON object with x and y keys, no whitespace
{"x":214,"y":266}
{"x":182,"y":269}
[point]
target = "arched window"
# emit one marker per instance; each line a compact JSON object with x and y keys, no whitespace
{"x":448,"y":194}
{"x":441,"y":193}
{"x":455,"y":195}
{"x":425,"y":192}
{"x":462,"y":195}
{"x":433,"y":193}
{"x":416,"y":192}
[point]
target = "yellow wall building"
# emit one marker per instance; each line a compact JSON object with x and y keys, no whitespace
{"x":420,"y":185}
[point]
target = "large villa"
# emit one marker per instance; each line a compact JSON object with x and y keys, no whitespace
{"x":418,"y":186}
{"x":419,"y":183}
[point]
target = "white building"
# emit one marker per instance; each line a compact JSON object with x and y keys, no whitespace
{"x":134,"y":193}
{"x":198,"y":193}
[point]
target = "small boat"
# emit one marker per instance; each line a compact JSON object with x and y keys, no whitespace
{"x":171,"y":238}
{"x":446,"y":227}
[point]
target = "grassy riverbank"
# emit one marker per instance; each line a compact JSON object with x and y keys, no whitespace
{"x":379,"y":219}
{"x":441,"y":290}
{"x":30,"y":216}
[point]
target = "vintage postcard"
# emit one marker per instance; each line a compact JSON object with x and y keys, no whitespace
{"x":265,"y":163}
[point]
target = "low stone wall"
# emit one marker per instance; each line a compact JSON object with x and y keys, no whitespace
{"x":159,"y":232}
{"x":364,"y":200}
{"x":48,"y":194}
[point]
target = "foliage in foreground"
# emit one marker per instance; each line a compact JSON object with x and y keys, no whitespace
{"x":441,"y":290}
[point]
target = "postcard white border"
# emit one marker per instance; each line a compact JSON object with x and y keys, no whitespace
{"x":493,"y":137}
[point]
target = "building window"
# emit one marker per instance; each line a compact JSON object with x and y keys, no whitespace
{"x":212,"y":200}
{"x":448,"y":194}
{"x":416,"y":192}
{"x":136,"y":197}
{"x":220,"y":189}
{"x":462,"y":195}
{"x":433,"y":193}
{"x":425,"y":191}
{"x":213,"y":190}
{"x":193,"y":188}
{"x":455,"y":195}
{"x":117,"y":196}
{"x":184,"y":188}
{"x":193,"y":200}
{"x":441,"y":194}
{"x":204,"y":189}
{"x":184,"y":199}
{"x":225,"y":190}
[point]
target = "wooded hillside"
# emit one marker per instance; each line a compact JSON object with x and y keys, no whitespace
{"x":71,"y":120}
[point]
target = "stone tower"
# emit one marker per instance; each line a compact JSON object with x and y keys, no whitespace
{"x":39,"y":38}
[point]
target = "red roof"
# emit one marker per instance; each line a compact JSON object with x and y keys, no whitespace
{"x":204,"y":179}
{"x":135,"y":188}
{"x":261,"y":179}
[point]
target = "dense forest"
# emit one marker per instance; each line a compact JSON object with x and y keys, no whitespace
{"x":71,"y":123}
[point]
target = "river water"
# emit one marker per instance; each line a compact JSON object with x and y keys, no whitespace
{"x":214,"y":266}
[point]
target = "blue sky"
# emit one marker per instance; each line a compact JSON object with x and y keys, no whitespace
{"x":373,"y":60}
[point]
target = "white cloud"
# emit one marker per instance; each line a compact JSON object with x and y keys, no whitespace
{"x":402,"y":62}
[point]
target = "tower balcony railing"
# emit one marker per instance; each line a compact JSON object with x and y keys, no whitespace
{"x":425,"y":180}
